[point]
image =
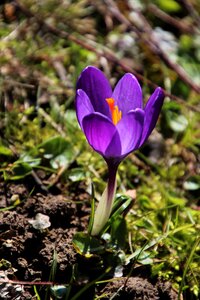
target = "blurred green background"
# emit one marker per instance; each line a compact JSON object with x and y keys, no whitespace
{"x":44,"y":45}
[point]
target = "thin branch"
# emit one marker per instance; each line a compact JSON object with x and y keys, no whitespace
{"x":27,"y":282}
{"x":177,"y":23}
{"x":17,"y":83}
{"x":188,"y":5}
{"x":39,"y":182}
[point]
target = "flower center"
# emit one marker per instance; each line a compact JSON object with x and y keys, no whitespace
{"x":115,"y":112}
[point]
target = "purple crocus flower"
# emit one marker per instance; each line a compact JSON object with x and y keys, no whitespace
{"x":114,"y":122}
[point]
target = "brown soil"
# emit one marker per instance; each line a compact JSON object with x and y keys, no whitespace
{"x":26,"y":253}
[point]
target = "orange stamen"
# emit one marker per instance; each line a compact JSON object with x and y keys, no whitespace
{"x":115,"y":112}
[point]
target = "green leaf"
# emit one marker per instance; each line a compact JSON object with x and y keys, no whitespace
{"x":119,"y":231}
{"x":192,"y":183}
{"x":178,"y":123}
{"x":169,"y":5}
{"x":145,"y":259}
{"x":139,"y":252}
{"x":5,"y":151}
{"x":54,"y":146}
{"x":91,"y":222}
{"x":31,"y":161}
{"x":87,"y":245}
{"x":176,"y":200}
{"x":58,"y":150}
{"x":76,"y":174}
{"x":59,"y":291}
{"x":20,"y":170}
{"x":122,"y":204}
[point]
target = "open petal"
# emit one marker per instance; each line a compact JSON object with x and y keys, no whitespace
{"x":130,"y":130}
{"x":83,"y":106}
{"x":97,"y":87}
{"x":128,"y":93}
{"x":152,"y":110}
{"x":114,"y":148}
{"x":100,"y":132}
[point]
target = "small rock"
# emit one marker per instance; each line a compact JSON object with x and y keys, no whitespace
{"x":41,"y":222}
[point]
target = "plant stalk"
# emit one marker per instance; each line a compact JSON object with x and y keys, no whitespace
{"x":105,"y":204}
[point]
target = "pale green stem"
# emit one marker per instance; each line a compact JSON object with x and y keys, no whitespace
{"x":105,"y":204}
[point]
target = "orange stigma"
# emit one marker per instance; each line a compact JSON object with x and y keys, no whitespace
{"x":115,"y":112}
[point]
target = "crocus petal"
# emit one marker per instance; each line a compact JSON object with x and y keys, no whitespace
{"x":152,"y":110}
{"x":97,"y":87}
{"x":83,"y":106}
{"x":100,"y":132}
{"x":128,"y":93}
{"x":130,"y":130}
{"x":114,"y":148}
